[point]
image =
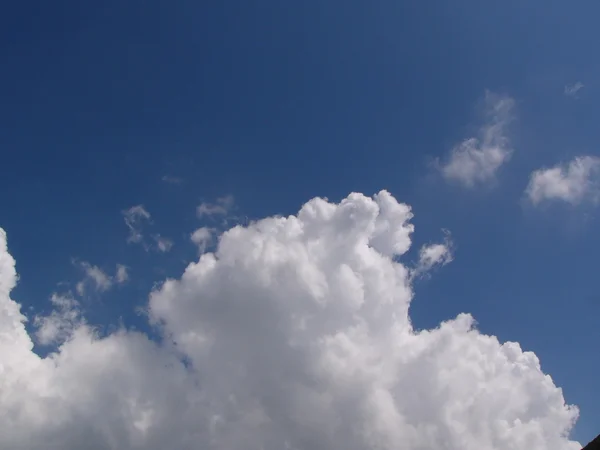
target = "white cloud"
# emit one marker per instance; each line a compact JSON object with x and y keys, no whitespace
{"x":95,"y":277}
{"x":221,"y":207}
{"x":202,"y":238}
{"x":122,"y":274}
{"x":98,"y":280}
{"x":296,"y":335}
{"x":134,"y":218}
{"x":573,"y":182}
{"x":477,"y":159}
{"x":571,"y":90}
{"x":163,"y":244}
{"x":59,"y":325}
{"x":432,"y":255}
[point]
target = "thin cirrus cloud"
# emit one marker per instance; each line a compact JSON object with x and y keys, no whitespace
{"x":573,"y":182}
{"x":294,"y":333}
{"x":476,"y":160}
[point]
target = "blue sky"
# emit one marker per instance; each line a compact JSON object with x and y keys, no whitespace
{"x":277,"y":102}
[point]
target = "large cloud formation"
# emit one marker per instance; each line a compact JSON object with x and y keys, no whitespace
{"x":293,"y":334}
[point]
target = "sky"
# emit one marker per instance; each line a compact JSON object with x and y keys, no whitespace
{"x":303,"y":225}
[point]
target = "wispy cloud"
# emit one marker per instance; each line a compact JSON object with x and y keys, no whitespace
{"x":134,"y":218}
{"x":94,"y":277}
{"x":433,"y":255}
{"x":202,"y":238}
{"x":122,"y":274}
{"x":221,"y":207}
{"x":477,"y":159}
{"x":64,"y":318}
{"x":571,"y":90}
{"x":572,"y":182}
{"x":172,"y":179}
{"x":97,"y":280}
{"x":163,"y":244}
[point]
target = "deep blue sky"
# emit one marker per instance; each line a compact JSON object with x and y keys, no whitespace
{"x":275,"y":102}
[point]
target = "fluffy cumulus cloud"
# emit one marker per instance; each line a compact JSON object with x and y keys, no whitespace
{"x":293,"y":334}
{"x":476,"y":160}
{"x":572,"y":182}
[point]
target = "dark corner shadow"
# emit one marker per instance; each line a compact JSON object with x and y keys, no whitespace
{"x":594,"y":445}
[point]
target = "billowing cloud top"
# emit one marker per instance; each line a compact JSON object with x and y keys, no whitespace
{"x":293,"y":334}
